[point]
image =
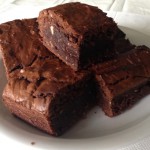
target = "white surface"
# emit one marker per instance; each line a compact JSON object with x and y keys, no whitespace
{"x":122,"y":133}
{"x":141,"y":7}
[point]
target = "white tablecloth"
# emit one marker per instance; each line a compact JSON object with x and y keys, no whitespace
{"x":131,"y":6}
{"x":135,"y":10}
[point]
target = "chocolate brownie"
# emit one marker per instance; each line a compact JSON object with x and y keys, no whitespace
{"x":124,"y":80}
{"x":79,"y":34}
{"x":19,"y":44}
{"x":49,"y":105}
{"x":42,"y":90}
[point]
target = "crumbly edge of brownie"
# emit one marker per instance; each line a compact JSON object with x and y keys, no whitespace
{"x":67,"y":54}
{"x":125,"y":101}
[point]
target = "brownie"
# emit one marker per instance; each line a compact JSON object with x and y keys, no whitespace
{"x":79,"y":34}
{"x":41,"y":89}
{"x":19,"y":44}
{"x":49,"y":106}
{"x":124,"y":80}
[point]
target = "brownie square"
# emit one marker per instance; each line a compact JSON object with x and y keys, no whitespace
{"x":50,"y":106}
{"x":41,"y":89}
{"x":79,"y":34}
{"x":124,"y":80}
{"x":20,"y":45}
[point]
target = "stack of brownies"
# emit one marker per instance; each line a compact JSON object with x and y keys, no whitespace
{"x":66,"y":61}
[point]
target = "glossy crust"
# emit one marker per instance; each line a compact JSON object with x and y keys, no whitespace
{"x":124,"y":80}
{"x":77,"y":33}
{"x":42,"y":90}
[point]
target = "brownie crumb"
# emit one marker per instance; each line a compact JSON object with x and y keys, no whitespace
{"x":32,"y":143}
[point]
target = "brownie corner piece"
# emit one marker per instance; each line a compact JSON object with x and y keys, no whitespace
{"x":76,"y":33}
{"x":48,"y":105}
{"x":122,"y":85}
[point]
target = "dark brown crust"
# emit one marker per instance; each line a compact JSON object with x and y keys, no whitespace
{"x":77,"y":37}
{"x":124,"y":80}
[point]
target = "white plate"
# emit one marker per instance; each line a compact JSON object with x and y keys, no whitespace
{"x":97,"y":131}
